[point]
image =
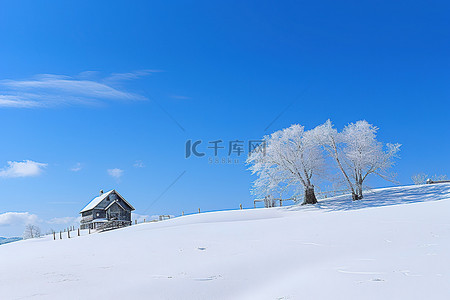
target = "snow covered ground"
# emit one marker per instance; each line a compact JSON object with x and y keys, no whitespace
{"x":394,"y":244}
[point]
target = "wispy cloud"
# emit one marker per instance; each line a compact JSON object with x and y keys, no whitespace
{"x":17,"y":101}
{"x":17,"y":218}
{"x":139,"y":164}
{"x":115,"y":77}
{"x":47,"y":90}
{"x":76,"y":168}
{"x":24,"y":168}
{"x":115,"y":173}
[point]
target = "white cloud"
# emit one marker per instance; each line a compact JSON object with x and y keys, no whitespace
{"x":50,"y":90}
{"x":138,"y":164}
{"x":76,"y":168}
{"x":24,"y":168}
{"x":17,"y":218}
{"x":116,"y":173}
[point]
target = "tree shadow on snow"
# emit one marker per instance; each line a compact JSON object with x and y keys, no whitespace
{"x":382,"y":197}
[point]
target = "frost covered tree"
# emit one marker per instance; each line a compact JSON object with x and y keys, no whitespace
{"x":287,"y":161}
{"x":357,"y":153}
{"x":364,"y":155}
{"x":439,"y":178}
{"x":420,"y":178}
{"x":31,"y":231}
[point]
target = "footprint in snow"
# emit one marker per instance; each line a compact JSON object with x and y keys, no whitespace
{"x":201,"y":248}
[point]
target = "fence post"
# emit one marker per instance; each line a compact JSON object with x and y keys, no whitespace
{"x":78,"y":231}
{"x":240,"y":206}
{"x":54,"y":236}
{"x":60,"y":235}
{"x":89,"y":229}
{"x":68,"y":234}
{"x":199,"y":210}
{"x":182,"y":213}
{"x":135,"y":221}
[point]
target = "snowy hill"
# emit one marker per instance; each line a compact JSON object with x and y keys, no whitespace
{"x":394,"y":244}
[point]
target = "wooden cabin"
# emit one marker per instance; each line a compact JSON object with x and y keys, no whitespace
{"x":109,"y":209}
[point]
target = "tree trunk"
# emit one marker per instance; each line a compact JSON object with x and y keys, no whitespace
{"x":310,"y":196}
{"x":355,"y":196}
{"x":269,"y":201}
{"x":358,"y":194}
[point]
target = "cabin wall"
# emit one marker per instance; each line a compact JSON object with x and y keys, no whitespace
{"x":86,"y":217}
{"x":115,"y":212}
{"x":99,"y":214}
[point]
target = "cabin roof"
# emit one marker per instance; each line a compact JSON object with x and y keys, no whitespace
{"x":96,"y":201}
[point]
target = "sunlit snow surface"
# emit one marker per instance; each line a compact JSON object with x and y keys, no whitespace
{"x":393,"y":244}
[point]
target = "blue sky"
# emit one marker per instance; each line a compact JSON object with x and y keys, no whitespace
{"x":105,"y":94}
